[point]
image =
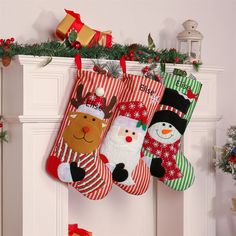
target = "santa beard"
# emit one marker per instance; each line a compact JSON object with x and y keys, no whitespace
{"x":118,"y":150}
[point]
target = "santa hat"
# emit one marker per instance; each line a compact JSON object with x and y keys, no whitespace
{"x":94,"y":104}
{"x":132,"y":115}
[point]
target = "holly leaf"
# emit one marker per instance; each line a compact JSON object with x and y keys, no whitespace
{"x":151,"y":43}
{"x":163,"y":67}
{"x":196,"y":66}
{"x":3,"y":136}
{"x":139,"y":124}
{"x":72,"y":36}
{"x":144,"y":127}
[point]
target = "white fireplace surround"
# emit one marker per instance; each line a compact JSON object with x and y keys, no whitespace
{"x":33,"y":102}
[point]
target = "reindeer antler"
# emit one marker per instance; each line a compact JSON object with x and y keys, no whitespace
{"x":79,"y":99}
{"x":108,"y":108}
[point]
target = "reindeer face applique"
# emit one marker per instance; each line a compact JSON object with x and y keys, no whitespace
{"x":86,"y":125}
{"x":84,"y":132}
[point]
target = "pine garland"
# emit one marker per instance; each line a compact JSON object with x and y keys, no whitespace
{"x":227,"y":160}
{"x":134,"y":52}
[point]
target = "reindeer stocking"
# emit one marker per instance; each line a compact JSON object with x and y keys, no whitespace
{"x":74,"y":158}
{"x":121,"y":148}
{"x":163,"y":139}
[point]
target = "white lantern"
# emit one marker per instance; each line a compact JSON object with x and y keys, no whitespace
{"x":189,"y":41}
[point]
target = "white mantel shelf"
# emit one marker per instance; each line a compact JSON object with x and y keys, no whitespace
{"x":33,"y":103}
{"x":88,"y":64}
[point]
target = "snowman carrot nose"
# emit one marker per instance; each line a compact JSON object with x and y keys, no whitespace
{"x":166,"y":131}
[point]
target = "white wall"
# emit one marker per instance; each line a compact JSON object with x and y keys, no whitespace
{"x":131,"y":21}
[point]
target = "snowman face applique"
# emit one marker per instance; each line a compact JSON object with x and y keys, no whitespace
{"x":164,"y":132}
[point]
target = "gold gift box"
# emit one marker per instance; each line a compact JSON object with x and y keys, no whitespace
{"x":85,"y":35}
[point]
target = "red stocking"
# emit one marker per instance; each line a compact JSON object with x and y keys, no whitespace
{"x":74,"y":158}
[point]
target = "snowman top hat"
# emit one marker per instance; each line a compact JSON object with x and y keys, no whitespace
{"x":173,"y":99}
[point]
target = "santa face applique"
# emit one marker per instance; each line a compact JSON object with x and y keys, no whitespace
{"x":122,"y":145}
{"x":164,"y":132}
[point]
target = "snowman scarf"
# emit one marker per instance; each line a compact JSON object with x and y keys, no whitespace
{"x":167,"y":153}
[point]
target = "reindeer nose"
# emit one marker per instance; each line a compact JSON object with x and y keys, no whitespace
{"x":85,"y":129}
{"x":128,"y":139}
{"x":166,"y":131}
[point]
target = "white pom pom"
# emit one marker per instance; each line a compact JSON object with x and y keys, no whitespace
{"x":99,"y":92}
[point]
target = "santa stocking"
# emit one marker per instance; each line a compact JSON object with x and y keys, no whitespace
{"x":121,"y":148}
{"x":162,"y":142}
{"x":74,"y":158}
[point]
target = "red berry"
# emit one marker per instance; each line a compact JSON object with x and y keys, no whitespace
{"x":12,"y":39}
{"x":72,"y":44}
{"x":78,"y":46}
{"x":145,"y":69}
{"x":194,"y":62}
{"x":1,"y":41}
{"x":5,"y":47}
{"x":8,"y":42}
{"x":156,"y":58}
{"x":95,"y":68}
{"x":131,"y":53}
{"x":140,"y":52}
{"x":132,"y":58}
{"x":149,"y":60}
{"x":158,"y":78}
{"x":177,"y":59}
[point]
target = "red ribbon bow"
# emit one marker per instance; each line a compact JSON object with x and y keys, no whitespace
{"x":73,"y":229}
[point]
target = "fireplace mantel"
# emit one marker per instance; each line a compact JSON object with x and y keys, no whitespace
{"x":33,"y":102}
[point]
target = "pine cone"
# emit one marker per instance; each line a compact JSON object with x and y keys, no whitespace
{"x":6,"y":60}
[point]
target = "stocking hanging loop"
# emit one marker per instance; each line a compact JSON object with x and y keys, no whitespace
{"x":78,"y":63}
{"x":123,"y":66}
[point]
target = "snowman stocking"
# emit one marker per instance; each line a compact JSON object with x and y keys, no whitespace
{"x":74,"y":158}
{"x":162,"y":142}
{"x":121,"y":148}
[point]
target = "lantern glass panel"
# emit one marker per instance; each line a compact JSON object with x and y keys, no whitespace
{"x":195,"y":49}
{"x":183,"y":48}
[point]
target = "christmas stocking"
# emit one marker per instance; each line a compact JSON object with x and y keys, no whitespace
{"x":163,"y":139}
{"x":121,"y":148}
{"x":74,"y":158}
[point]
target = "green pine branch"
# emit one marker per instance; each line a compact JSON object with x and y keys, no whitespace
{"x":3,"y":136}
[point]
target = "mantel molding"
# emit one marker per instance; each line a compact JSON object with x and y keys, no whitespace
{"x":131,"y":66}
